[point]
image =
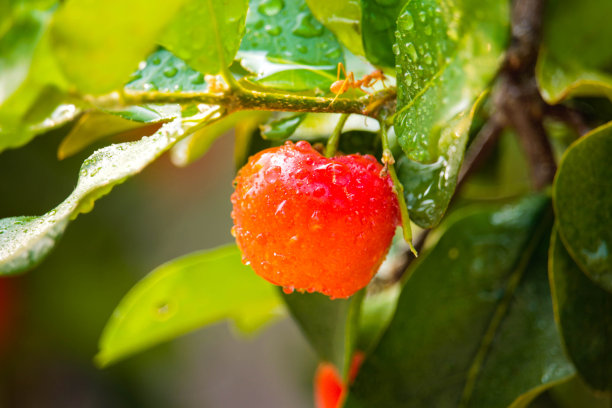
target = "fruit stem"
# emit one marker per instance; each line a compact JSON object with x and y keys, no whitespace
{"x":398,"y":188}
{"x":334,"y":139}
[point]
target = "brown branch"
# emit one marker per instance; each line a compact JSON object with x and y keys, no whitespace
{"x":517,"y":97}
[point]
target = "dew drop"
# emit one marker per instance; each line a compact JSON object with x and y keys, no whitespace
{"x":170,"y":72}
{"x":319,"y":191}
{"x":302,"y":48}
{"x":156,"y":60}
{"x":427,"y":58}
{"x":396,"y":49}
{"x":405,"y":22}
{"x":272,"y":174}
{"x":306,"y":26}
{"x":288,"y":290}
{"x":407,"y":79}
{"x":422,"y":16}
{"x":273,"y":30}
{"x":233,"y":231}
{"x":271,"y":7}
{"x":411,"y":52}
{"x":197,"y":79}
{"x":427,"y":30}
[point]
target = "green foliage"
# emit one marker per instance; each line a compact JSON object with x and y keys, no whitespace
{"x":185,"y":294}
{"x":582,"y":204}
{"x":468,"y":324}
{"x":329,"y":325}
{"x":474,"y":321}
{"x":436,"y":43}
{"x":584,"y":314}
{"x":576,"y":57}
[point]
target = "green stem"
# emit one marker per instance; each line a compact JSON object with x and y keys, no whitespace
{"x":334,"y":139}
{"x":239,"y":98}
{"x":398,"y":188}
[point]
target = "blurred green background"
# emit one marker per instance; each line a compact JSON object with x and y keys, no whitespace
{"x":51,"y":318}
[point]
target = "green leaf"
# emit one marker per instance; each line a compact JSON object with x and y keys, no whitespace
{"x":474,"y":324}
{"x":583,"y":312}
{"x":576,"y":57}
{"x":343,"y":18}
{"x":429,"y":187}
{"x":94,"y":126}
{"x":582,"y":193}
{"x":26,"y":241}
{"x":575,"y":393}
{"x":287,"y":48}
{"x":378,"y":23}
{"x":17,"y":47}
{"x":376,"y":313}
{"x":207,"y":33}
{"x":330,"y":326}
{"x":282,"y":128}
{"x":196,"y":145}
{"x":447,"y":53}
{"x":100,"y":43}
{"x":186,"y":294}
{"x":165,"y":72}
{"x":31,"y":101}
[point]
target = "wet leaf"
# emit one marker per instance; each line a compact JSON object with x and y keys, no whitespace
{"x":576,"y":57}
{"x":330,"y":326}
{"x":95,"y":126}
{"x":206,"y":33}
{"x":26,"y":241}
{"x":99,"y":58}
{"x":285,"y":47}
{"x":343,"y":18}
{"x":446,"y":55}
{"x":474,"y":324}
{"x":165,"y":72}
{"x":583,"y":312}
{"x":582,"y":193}
{"x":186,"y":294}
{"x":282,"y":128}
{"x":378,"y":22}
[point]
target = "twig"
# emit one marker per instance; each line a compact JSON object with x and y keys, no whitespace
{"x":570,"y":116}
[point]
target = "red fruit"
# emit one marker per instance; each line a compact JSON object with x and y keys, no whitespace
{"x":311,"y":223}
{"x":328,"y":387}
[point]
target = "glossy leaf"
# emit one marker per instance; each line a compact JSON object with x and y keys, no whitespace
{"x":165,"y":72}
{"x":26,"y":241}
{"x":94,"y":126}
{"x":429,"y":187}
{"x":583,"y":312}
{"x":282,"y":128}
{"x":285,"y":47}
{"x":343,"y":18}
{"x":100,"y":58}
{"x":378,"y":22}
{"x":206,"y":33}
{"x":575,"y":393}
{"x":474,"y":324}
{"x":186,"y":294}
{"x":582,"y":194}
{"x":330,"y":326}
{"x":17,"y":47}
{"x":196,"y":145}
{"x":446,"y":56}
{"x":576,"y":56}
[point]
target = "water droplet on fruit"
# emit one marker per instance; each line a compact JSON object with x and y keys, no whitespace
{"x":303,"y":146}
{"x":279,"y":209}
{"x":301,"y":174}
{"x":294,"y":239}
{"x":288,"y":290}
{"x":319,"y":191}
{"x":271,"y":7}
{"x":233,"y":231}
{"x":307,"y":26}
{"x":272,"y":174}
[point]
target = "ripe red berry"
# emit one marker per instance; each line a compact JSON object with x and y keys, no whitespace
{"x":311,"y":223}
{"x":329,"y":390}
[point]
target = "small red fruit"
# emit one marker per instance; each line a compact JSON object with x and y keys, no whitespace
{"x":311,"y":223}
{"x":329,"y":391}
